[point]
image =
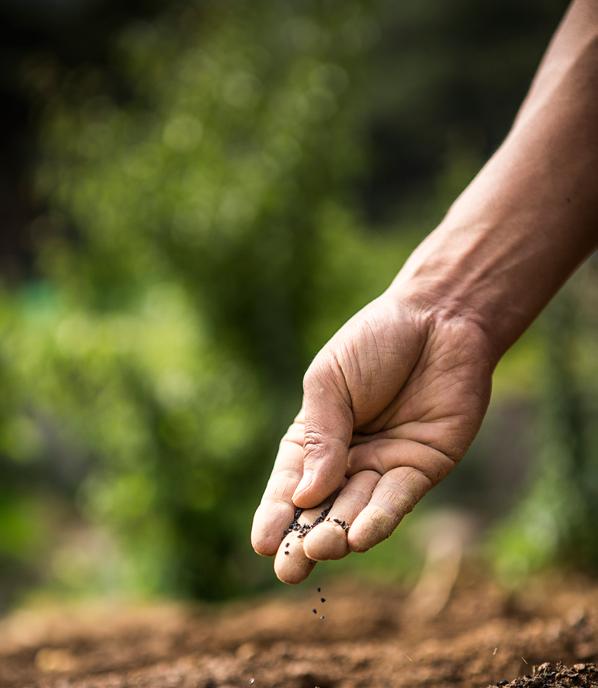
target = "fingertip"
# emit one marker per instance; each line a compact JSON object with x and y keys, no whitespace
{"x":326,"y":541}
{"x":293,"y":576}
{"x":304,"y":500}
{"x":355,"y":540}
{"x":371,"y":527}
{"x":318,"y":491}
{"x":263,"y":546}
{"x":266,"y":536}
{"x":356,"y":545}
{"x":291,"y":566}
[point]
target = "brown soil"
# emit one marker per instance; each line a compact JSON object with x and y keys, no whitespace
{"x":547,"y":675}
{"x":370,"y":637}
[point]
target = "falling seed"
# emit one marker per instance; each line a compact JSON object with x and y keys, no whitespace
{"x":251,"y":681}
{"x":495,"y":651}
{"x":315,"y":611}
{"x":408,"y":657}
{"x":319,"y":589}
{"x":322,"y":600}
{"x":524,"y":659}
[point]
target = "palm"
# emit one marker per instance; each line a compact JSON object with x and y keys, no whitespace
{"x":416,"y":393}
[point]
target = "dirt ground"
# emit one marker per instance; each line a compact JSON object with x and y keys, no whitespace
{"x":370,"y":636}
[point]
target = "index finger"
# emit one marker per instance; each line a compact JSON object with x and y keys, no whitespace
{"x":276,"y":509}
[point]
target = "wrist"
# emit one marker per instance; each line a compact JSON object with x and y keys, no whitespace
{"x":456,"y":275}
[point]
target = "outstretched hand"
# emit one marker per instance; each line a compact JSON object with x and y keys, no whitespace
{"x":390,"y":405}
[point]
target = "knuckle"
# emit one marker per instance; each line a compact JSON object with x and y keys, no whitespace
{"x":319,"y":373}
{"x":313,"y":444}
{"x":311,"y":379}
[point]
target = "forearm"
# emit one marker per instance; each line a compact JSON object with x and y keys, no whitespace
{"x":531,"y":215}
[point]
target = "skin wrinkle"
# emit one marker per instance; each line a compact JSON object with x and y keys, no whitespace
{"x":452,"y":456}
{"x":345,"y":384}
{"x":275,"y":500}
{"x":383,"y":418}
{"x":428,"y":415}
{"x":377,"y":357}
{"x":294,"y":434}
{"x":316,"y":450}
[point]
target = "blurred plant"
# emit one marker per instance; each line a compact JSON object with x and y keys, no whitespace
{"x":201,"y":246}
{"x":555,"y":523}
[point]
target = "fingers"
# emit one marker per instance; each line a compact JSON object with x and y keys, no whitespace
{"x":395,"y":495}
{"x":328,"y":540}
{"x":291,"y":564}
{"x":328,"y":429}
{"x":276,"y":509}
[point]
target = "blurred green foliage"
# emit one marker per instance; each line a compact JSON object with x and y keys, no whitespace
{"x":213,"y":252}
{"x":210,"y":219}
{"x":555,"y":523}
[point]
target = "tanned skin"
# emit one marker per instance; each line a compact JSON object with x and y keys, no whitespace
{"x":393,"y":401}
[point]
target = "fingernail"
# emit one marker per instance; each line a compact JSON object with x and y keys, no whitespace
{"x":304,"y":483}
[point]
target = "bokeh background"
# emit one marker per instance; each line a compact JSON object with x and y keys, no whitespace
{"x":193,"y":197}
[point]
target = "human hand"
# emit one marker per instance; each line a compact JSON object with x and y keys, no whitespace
{"x":390,"y":405}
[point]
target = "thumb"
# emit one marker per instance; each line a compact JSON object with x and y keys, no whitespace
{"x":328,"y":423}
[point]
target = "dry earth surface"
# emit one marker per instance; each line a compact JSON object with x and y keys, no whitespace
{"x":371,"y":636}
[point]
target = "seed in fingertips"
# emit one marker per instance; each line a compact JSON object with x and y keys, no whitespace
{"x":302,"y":529}
{"x":343,"y":524}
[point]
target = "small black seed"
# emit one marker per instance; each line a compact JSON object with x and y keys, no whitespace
{"x":322,"y":600}
{"x":287,"y":552}
{"x":315,"y":611}
{"x":319,"y":589}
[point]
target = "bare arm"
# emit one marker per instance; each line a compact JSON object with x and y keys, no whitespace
{"x":394,"y":399}
{"x":531,"y":215}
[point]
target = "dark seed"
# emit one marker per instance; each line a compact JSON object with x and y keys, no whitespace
{"x":322,"y":617}
{"x":286,"y":552}
{"x":322,"y":599}
{"x":319,"y":589}
{"x":315,"y":611}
